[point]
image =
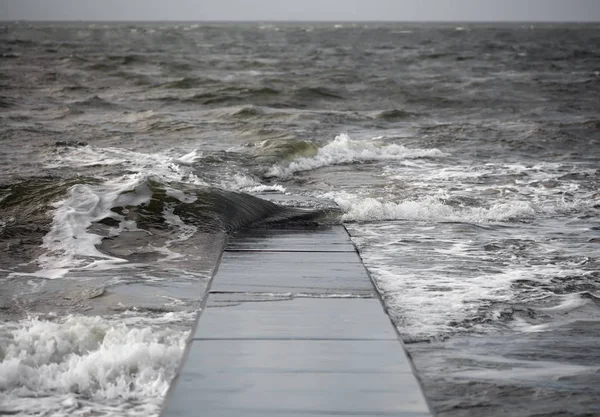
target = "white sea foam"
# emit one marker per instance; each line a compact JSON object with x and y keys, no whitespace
{"x":185,"y":231}
{"x":190,"y":157}
{"x":425,"y":290}
{"x":120,"y":365}
{"x":263,"y":188}
{"x":567,"y":304}
{"x":140,"y":116}
{"x":542,"y":187}
{"x":437,"y":281}
{"x":180,"y":195}
{"x":247,"y":184}
{"x":162,"y":165}
{"x":512,"y":369}
{"x":269,"y":27}
{"x":563,"y":310}
{"x":345,"y":150}
{"x":431,"y":208}
{"x":69,"y":244}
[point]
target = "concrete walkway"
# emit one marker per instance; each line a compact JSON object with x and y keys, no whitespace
{"x":293,"y":326}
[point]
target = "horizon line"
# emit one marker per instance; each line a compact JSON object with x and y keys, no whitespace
{"x":300,"y":21}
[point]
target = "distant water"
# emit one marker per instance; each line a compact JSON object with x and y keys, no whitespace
{"x":464,"y":161}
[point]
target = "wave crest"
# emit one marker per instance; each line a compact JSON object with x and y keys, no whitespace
{"x":343,"y":150}
{"x":144,"y":204}
{"x":78,"y":361}
{"x":431,"y":208}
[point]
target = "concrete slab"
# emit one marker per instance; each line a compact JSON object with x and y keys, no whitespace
{"x":293,"y":326}
{"x":299,"y":378}
{"x":302,"y":318}
{"x":335,"y":272}
{"x":331,"y":239}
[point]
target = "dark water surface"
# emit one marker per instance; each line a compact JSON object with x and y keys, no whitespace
{"x":463,"y":160}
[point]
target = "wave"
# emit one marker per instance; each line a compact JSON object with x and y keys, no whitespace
{"x":234,"y":95}
{"x":284,"y":150}
{"x":169,"y":168}
{"x":163,"y":125}
{"x":394,"y":115}
{"x":91,"y":213}
{"x":186,"y":83}
{"x":114,"y":62}
{"x":248,"y":112}
{"x":470,"y":281}
{"x":21,"y":42}
{"x":317,"y":93}
{"x":344,"y":150}
{"x":593,"y":124}
{"x":429,"y":208}
{"x":245,"y":183}
{"x":73,"y":225}
{"x":78,"y":364}
{"x":231,"y":95}
{"x":62,"y":113}
{"x":74,"y":88}
{"x":25,"y":213}
{"x":137,"y":79}
{"x":7,"y":102}
{"x":93,"y":102}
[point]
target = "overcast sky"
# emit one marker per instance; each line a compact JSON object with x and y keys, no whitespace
{"x":337,"y":10}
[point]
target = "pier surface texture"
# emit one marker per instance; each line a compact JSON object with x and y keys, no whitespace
{"x":293,"y":326}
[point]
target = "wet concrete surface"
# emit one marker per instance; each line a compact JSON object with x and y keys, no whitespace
{"x":292,"y":325}
{"x":303,"y":272}
{"x":146,"y":280}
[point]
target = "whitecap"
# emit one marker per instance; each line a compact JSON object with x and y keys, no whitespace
{"x":429,"y":208}
{"x":78,"y":363}
{"x":69,"y":244}
{"x":245,"y":183}
{"x":345,"y":150}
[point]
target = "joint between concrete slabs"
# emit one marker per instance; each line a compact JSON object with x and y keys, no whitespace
{"x":291,"y":295}
{"x":291,"y":339}
{"x":288,"y":251}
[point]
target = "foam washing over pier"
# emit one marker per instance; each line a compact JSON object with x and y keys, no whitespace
{"x":293,"y":325}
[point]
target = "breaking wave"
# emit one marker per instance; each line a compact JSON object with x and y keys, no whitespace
{"x":90,"y":213}
{"x":343,"y":150}
{"x":429,"y":208}
{"x":79,"y":365}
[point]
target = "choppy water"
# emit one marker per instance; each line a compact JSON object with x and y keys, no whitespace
{"x":464,"y":161}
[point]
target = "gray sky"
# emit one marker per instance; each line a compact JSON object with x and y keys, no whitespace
{"x":337,"y":10}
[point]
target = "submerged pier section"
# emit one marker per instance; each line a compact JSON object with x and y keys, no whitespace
{"x":293,"y":326}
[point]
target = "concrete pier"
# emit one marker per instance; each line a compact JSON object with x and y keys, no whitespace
{"x":293,"y":326}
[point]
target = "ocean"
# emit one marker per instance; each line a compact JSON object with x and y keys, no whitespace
{"x":462,"y":158}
